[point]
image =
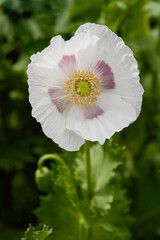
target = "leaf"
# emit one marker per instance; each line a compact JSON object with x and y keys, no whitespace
{"x":63,"y":16}
{"x":55,"y":210}
{"x":66,"y":208}
{"x":152,"y":9}
{"x":109,"y":12}
{"x":65,"y":178}
{"x":103,"y":166}
{"x":31,"y":234}
{"x":42,"y":235}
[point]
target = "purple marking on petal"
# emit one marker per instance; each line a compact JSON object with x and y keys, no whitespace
{"x":93,"y":112}
{"x":67,"y":62}
{"x":105,"y":73}
{"x":56,"y":96}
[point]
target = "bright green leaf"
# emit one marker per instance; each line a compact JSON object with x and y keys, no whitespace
{"x":31,"y":234}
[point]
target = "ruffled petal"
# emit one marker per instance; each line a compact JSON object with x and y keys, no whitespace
{"x":112,"y":50}
{"x":118,"y":112}
{"x":131,"y":92}
{"x":68,"y":64}
{"x":103,"y":70}
{"x":51,"y":54}
{"x":53,"y":125}
{"x":57,"y":98}
{"x":117,"y":115}
{"x":95,"y":29}
{"x":88,"y":129}
{"x":97,"y":49}
{"x":91,"y":112}
{"x":85,"y":50}
{"x":120,"y":59}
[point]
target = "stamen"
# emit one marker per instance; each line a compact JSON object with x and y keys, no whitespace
{"x":82,"y":88}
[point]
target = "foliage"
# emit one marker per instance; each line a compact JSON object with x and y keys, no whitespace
{"x":31,"y":234}
{"x":66,"y":206}
{"x":27,"y":27}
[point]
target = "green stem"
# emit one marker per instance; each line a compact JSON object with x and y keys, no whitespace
{"x":84,"y":229}
{"x":88,"y":169}
{"x":50,"y":156}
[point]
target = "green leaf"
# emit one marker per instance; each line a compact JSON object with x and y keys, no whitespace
{"x":103,"y":169}
{"x":42,"y":235}
{"x":55,"y":210}
{"x":31,"y":234}
{"x":66,"y":181}
{"x":63,"y":16}
{"x":152,"y":9}
{"x":109,"y":12}
{"x":66,"y":208}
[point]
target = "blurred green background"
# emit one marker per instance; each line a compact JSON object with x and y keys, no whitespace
{"x":26,"y":26}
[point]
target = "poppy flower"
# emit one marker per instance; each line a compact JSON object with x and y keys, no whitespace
{"x":86,"y":88}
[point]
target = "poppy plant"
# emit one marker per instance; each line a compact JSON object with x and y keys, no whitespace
{"x":86,"y":88}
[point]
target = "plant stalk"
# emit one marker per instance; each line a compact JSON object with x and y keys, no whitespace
{"x":88,"y":168}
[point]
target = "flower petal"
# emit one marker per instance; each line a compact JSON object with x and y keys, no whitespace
{"x":117,"y":115}
{"x":97,"y":49}
{"x":91,"y":112}
{"x":53,"y":125}
{"x":89,"y":129}
{"x":120,"y":59}
{"x":131,"y":92}
{"x":51,"y":54}
{"x":57,"y":98}
{"x":112,"y":50}
{"x":105,"y":73}
{"x":85,"y":50}
{"x":95,"y":29}
{"x":118,"y":112}
{"x":68,"y":64}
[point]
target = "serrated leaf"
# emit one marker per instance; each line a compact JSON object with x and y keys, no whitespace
{"x":67,"y":208}
{"x":41,"y":235}
{"x":56,"y":211}
{"x":31,"y":234}
{"x":103,"y":166}
{"x":65,"y":178}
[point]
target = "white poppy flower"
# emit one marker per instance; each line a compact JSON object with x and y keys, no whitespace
{"x":86,"y":88}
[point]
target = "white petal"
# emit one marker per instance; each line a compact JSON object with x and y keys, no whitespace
{"x":86,"y":128}
{"x":120,"y":59}
{"x":118,"y":112}
{"x":51,"y":54}
{"x":115,"y":109}
{"x":53,"y":123}
{"x":58,"y":99}
{"x":103,"y":70}
{"x":130,"y":91}
{"x":112,"y":50}
{"x":68,"y":64}
{"x":117,"y":115}
{"x":95,"y":29}
{"x":40,"y":76}
{"x":43,"y":70}
{"x":85,"y":49}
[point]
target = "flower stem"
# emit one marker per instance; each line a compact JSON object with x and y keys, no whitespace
{"x":88,"y":168}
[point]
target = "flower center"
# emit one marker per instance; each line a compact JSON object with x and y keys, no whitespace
{"x":82,"y":88}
